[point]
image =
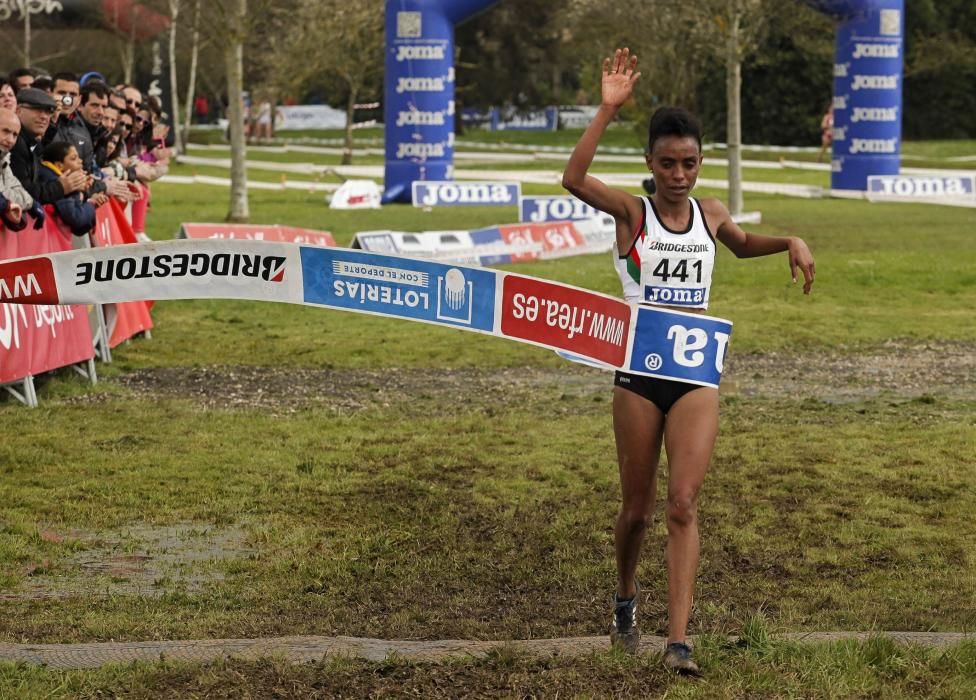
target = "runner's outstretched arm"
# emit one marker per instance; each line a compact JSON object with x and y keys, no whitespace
{"x":619,"y":77}
{"x":754,"y":245}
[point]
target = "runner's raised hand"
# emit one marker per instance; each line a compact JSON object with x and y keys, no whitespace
{"x":619,"y":77}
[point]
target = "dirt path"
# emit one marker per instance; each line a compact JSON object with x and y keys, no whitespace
{"x":311,"y":649}
{"x":896,"y":369}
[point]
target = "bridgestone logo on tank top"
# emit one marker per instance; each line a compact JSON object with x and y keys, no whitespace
{"x":677,"y":247}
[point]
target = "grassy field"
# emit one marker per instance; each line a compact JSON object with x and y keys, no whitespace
{"x":273,"y":470}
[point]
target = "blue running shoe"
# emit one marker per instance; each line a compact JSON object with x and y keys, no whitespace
{"x":623,"y":631}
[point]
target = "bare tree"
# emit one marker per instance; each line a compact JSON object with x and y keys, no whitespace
{"x":236,"y":28}
{"x":132,"y":23}
{"x":227,"y":24}
{"x":348,"y":42}
{"x":731,"y":30}
{"x":174,"y":16}
{"x":191,"y":84}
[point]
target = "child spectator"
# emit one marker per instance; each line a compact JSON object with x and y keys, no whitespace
{"x":62,"y":157}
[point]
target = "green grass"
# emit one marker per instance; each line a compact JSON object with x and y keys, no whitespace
{"x":451,"y":510}
{"x":782,"y":670}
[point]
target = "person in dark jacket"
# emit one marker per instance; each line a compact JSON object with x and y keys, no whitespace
{"x":94,"y":100}
{"x":34,"y":108}
{"x":79,"y":215}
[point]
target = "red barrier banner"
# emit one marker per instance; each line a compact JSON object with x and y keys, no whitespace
{"x":554,"y":237}
{"x":125,"y":319}
{"x":37,"y":339}
{"x":258,"y":232}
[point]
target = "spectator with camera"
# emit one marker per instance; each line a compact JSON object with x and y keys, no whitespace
{"x":64,"y":122}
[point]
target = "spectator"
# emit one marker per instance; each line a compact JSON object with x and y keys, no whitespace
{"x":117,"y":99}
{"x":94,"y":99}
{"x":151,"y":159}
{"x":8,"y":99}
{"x":262,"y":121}
{"x":114,"y":160}
{"x":61,"y":157}
{"x":127,"y":119}
{"x":133,"y":98}
{"x":21,"y":78}
{"x":826,"y":130}
{"x":44,"y":83}
{"x":201,"y":107}
{"x":93,"y":75}
{"x":34,"y":109}
{"x":14,"y":199}
{"x":110,"y":117}
{"x":64,"y":123}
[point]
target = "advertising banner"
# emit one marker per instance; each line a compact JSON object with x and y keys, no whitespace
{"x":552,"y":238}
{"x":296,"y":117}
{"x":509,"y":119}
{"x":565,"y":318}
{"x":928,"y":187}
{"x":403,"y":287}
{"x":257,"y":232}
{"x":590,"y":327}
{"x":43,"y":337}
{"x":496,"y":245}
{"x":465,"y":194}
{"x":670,"y":344}
{"x":540,"y":208}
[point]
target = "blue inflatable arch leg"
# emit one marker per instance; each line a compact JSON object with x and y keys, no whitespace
{"x":867,"y":99}
{"x":418,"y":107}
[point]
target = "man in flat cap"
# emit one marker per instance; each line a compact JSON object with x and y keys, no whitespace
{"x":34,"y":108}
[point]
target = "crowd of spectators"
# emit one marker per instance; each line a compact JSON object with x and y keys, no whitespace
{"x":70,"y":143}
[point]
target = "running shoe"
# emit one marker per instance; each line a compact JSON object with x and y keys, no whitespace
{"x":677,"y":657}
{"x":623,"y":631}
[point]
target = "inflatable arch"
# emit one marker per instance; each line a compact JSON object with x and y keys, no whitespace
{"x":419,"y":92}
{"x":867,"y":99}
{"x":418,"y":106}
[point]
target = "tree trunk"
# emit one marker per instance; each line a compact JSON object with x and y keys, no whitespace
{"x":234,"y":58}
{"x":174,"y":12}
{"x":129,"y":62}
{"x":191,"y":86}
{"x":350,"y":110}
{"x":733,"y":90}
{"x":27,"y":37}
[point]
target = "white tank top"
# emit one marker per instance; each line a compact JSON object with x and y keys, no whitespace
{"x":665,"y":267}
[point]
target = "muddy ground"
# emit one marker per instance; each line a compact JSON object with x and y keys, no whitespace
{"x":149,"y":561}
{"x":897,"y":369}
